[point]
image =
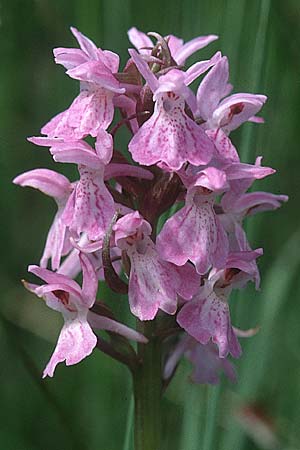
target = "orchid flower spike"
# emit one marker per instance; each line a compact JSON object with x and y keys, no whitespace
{"x":161,"y":221}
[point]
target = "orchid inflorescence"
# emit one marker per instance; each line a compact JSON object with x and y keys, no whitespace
{"x":163,"y":222}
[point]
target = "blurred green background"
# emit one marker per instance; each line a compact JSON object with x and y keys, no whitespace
{"x":88,"y":406}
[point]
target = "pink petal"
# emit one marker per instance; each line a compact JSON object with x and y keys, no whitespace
{"x":172,"y":242}
{"x":85,"y":246}
{"x":131,"y":225}
{"x":72,"y":58}
{"x":171,"y":137}
{"x":86,"y":45}
{"x":111,"y":60}
{"x":144,"y":70}
{"x":91,"y":207}
{"x":47,"y":141}
{"x":213,"y":179}
{"x":241,"y":177}
{"x":178,"y":244}
{"x":54,"y":288}
{"x":104,"y":146}
{"x":237,"y":109}
{"x":139,"y":40}
{"x":57,"y":243}
{"x":245,"y":333}
{"x":189,"y":281}
{"x":192,"y":46}
{"x":75,"y":342}
{"x":55,"y":278}
{"x":104,"y":323}
{"x":225,"y":149}
{"x":174,"y":82}
{"x":212,"y":89}
{"x":90,"y":111}
{"x":71,"y":265}
{"x":174,"y":43}
{"x":256,"y":119}
{"x":152,"y":285}
{"x":206,"y":319}
{"x":47,"y":181}
{"x":59,"y":127}
{"x":89,"y":281}
{"x":77,"y":156}
{"x":199,"y":68}
{"x":96,"y":72}
{"x":69,"y":57}
{"x":254,"y":202}
{"x":126,"y":170}
{"x":221,"y":252}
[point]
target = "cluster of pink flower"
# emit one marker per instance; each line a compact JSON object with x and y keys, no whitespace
{"x":106,"y":225}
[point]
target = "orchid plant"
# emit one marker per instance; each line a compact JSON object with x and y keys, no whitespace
{"x":161,"y":223}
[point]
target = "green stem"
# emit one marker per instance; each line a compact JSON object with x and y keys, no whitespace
{"x":213,"y":397}
{"x":147,"y":391}
{"x":128,"y":441}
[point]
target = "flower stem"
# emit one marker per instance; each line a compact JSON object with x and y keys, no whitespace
{"x":147,"y":391}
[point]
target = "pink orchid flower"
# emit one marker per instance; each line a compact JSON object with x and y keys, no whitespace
{"x":93,"y":108}
{"x":206,"y":317}
{"x":59,"y":187}
{"x":207,"y":245}
{"x":90,"y":207}
{"x":77,"y":339}
{"x":222,"y":115}
{"x":237,"y":203}
{"x":230,"y":112}
{"x":153,"y":283}
{"x":170,"y":136}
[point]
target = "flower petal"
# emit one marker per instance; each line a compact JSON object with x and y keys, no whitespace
{"x":254,"y":202}
{"x":57,"y":243}
{"x":91,"y":110}
{"x":86,"y":45}
{"x":105,"y":323}
{"x":104,"y":146}
{"x":47,"y":181}
{"x":126,"y":170}
{"x":177,"y":244}
{"x":199,"y":68}
{"x":69,"y":57}
{"x":96,"y":72}
{"x":226,"y":151}
{"x":91,"y":207}
{"x":171,"y":137}
{"x":55,"y":278}
{"x":152,"y":285}
{"x":75,"y":342}
{"x":139,"y":40}
{"x":192,"y":46}
{"x":237,"y":109}
{"x":144,"y":70}
{"x":89,"y":281}
{"x":208,"y":318}
{"x":77,"y":156}
{"x":212,"y":89}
